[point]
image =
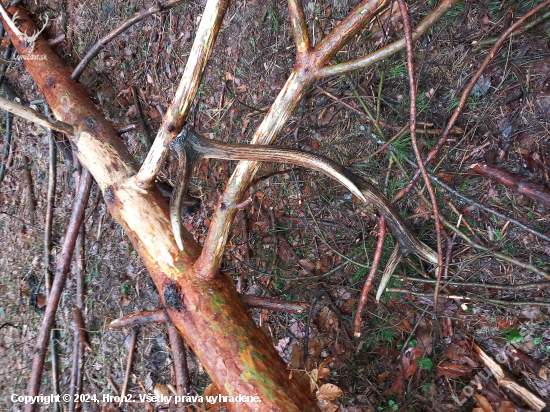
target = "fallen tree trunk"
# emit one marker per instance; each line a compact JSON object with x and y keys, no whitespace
{"x":238,"y":356}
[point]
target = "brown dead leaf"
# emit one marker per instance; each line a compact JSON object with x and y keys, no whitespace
{"x":41,"y":301}
{"x":211,"y":390}
{"x":382,"y":377}
{"x":241,"y":88}
{"x":297,"y":356}
{"x":507,"y":406}
{"x":483,"y":403}
{"x":543,"y":373}
{"x":161,"y":391}
{"x":328,"y":392}
{"x":328,"y":319}
{"x":446,"y":177}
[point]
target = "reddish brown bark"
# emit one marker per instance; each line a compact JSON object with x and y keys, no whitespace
{"x":366,"y":287}
{"x":238,"y":356}
{"x":179,"y":357}
{"x":515,"y":182}
{"x":63,"y":264}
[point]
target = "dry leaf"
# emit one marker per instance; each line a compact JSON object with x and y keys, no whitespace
{"x":483,"y":403}
{"x":507,"y":406}
{"x":382,"y":377}
{"x":328,"y":392}
{"x":161,"y":391}
{"x":211,"y":390}
{"x":323,"y":372}
{"x":543,"y":372}
{"x":241,"y":89}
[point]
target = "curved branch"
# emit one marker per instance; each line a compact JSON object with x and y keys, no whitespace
{"x":196,"y":146}
{"x":94,"y":51}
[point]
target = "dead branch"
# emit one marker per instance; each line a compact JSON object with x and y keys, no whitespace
{"x":498,"y":255}
{"x":373,"y":58}
{"x":175,"y":116}
{"x":35,"y":117}
{"x":492,"y":40}
{"x":52,"y":182}
{"x":158,"y":316}
{"x":513,"y":181}
{"x":94,"y":51}
{"x":412,"y":121}
{"x":7,"y":145}
{"x":63,"y":264}
{"x":128,"y":366}
{"x":504,"y":379}
{"x":498,"y":302}
{"x":524,"y":286}
{"x":179,"y":357}
{"x":374,"y":267}
{"x":30,"y":189}
{"x":140,"y":116}
{"x":466,"y":93}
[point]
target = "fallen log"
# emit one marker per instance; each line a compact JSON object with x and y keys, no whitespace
{"x":238,"y":356}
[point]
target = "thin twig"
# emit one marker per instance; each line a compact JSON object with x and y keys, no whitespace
{"x":140,"y":116}
{"x":466,"y":93}
{"x":179,"y":357}
{"x":128,"y":366}
{"x":94,"y":51}
{"x":373,"y":58}
{"x":52,"y":182}
{"x":412,"y":87}
{"x":22,"y":221}
{"x":30,"y":190}
{"x":525,"y":286}
{"x":374,"y":267}
{"x":466,"y":298}
{"x":33,"y":116}
{"x":63,"y":264}
{"x":7,"y":145}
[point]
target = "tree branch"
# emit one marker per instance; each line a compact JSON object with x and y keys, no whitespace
{"x":299,"y":25}
{"x":466,"y":93}
{"x":175,"y":116}
{"x":373,"y":58}
{"x":33,"y":116}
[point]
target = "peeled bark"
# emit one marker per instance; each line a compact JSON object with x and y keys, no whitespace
{"x":238,"y":356}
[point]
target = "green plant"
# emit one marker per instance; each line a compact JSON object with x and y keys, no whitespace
{"x":391,"y":406}
{"x":512,"y":335}
{"x":425,"y":363}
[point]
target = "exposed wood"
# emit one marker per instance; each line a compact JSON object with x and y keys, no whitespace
{"x":504,"y":379}
{"x":238,"y":356}
{"x":175,"y":116}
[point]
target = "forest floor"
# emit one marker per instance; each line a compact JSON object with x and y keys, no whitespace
{"x":303,"y":237}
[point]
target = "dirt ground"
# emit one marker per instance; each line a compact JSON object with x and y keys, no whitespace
{"x":302,"y":235}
